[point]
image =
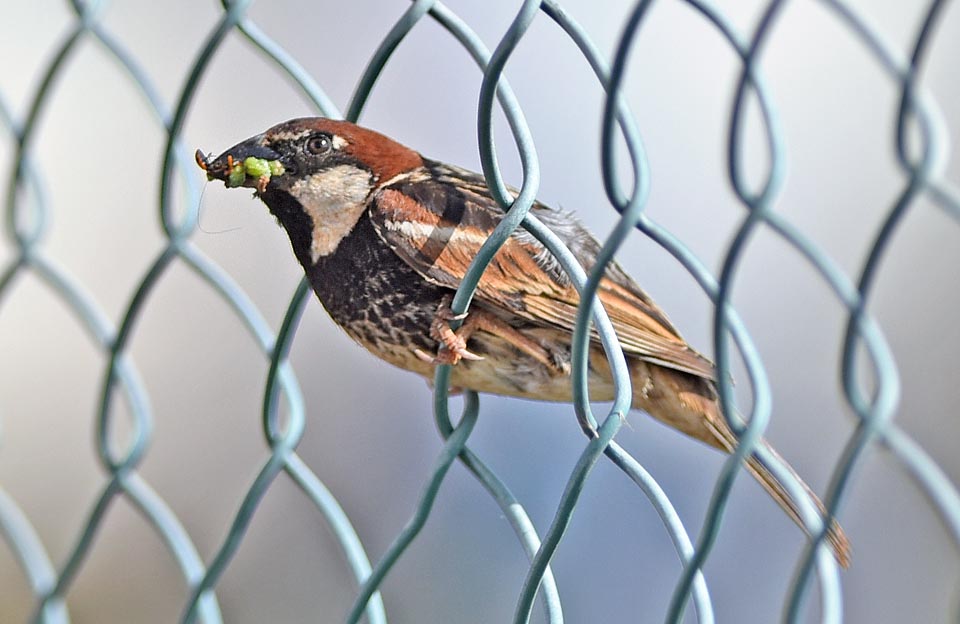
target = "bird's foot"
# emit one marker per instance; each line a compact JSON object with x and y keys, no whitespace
{"x":453,"y":344}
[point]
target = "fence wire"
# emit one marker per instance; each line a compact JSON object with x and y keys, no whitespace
{"x":28,"y":215}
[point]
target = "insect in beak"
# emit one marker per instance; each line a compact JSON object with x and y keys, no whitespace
{"x":251,"y":171}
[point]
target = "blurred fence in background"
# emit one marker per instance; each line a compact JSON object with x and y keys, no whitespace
{"x":125,"y":414}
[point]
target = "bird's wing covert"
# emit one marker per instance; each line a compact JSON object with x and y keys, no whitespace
{"x":437,"y":221}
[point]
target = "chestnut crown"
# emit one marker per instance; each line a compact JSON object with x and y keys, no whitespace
{"x":302,"y":147}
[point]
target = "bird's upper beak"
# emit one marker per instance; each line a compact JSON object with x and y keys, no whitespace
{"x":250,"y":163}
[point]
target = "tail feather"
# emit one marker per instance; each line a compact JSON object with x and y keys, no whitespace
{"x":690,"y":404}
{"x":835,"y":535}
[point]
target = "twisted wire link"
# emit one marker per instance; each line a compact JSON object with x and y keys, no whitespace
{"x":28,"y":210}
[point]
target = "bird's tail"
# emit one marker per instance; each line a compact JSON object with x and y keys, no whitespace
{"x":690,"y":404}
{"x":835,"y":536}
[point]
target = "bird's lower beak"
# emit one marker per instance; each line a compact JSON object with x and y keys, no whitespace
{"x":249,"y":163}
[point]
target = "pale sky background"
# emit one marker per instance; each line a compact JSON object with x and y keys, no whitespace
{"x":370,"y":434}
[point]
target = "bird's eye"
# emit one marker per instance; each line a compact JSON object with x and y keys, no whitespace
{"x":319,"y":144}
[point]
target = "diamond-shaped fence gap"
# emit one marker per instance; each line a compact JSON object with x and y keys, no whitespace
{"x":152,"y":39}
{"x":204,"y":507}
{"x":220,"y":106}
{"x":60,"y":369}
{"x":921,"y":256}
{"x":491,"y":543}
{"x":286,"y":571}
{"x":838,"y":209}
{"x":547,"y":52}
{"x":156,"y":587}
{"x":498,"y":444}
{"x":395,"y":447}
{"x":183,"y":299}
{"x":470,"y":527}
{"x":48,"y":24}
{"x":244,"y":241}
{"x":333,"y":60}
{"x":118,"y":194}
{"x":777,"y":301}
{"x":834,"y":51}
{"x":639,"y":529}
{"x":447,"y":131}
{"x":402,"y":443}
{"x":663,"y":63}
{"x":936,"y":583}
{"x":652,"y":439}
{"x":186,"y":390}
{"x":838,"y":92}
{"x":773,"y":551}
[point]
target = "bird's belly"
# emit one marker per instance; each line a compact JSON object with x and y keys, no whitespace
{"x":504,"y":369}
{"x":507,"y":371}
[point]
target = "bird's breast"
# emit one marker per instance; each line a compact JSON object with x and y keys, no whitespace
{"x":372,"y":294}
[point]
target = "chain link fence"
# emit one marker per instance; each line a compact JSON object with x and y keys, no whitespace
{"x":50,"y":551}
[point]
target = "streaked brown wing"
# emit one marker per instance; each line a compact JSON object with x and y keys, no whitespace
{"x":438,"y":228}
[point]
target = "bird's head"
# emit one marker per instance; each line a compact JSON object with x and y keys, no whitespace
{"x":315,"y":174}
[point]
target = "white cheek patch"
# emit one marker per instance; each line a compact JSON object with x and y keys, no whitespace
{"x":334,"y":199}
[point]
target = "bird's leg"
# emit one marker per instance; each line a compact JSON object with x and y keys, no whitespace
{"x":453,"y":343}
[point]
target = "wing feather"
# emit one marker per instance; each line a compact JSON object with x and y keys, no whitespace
{"x":437,"y":219}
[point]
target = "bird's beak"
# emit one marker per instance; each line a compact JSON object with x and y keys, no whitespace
{"x":249,"y":163}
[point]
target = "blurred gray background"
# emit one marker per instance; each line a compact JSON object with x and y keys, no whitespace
{"x":370,"y":434}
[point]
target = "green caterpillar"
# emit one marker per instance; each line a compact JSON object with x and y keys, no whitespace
{"x":259,"y":168}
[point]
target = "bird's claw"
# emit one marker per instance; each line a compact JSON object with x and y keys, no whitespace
{"x":453,"y":344}
{"x":448,"y":355}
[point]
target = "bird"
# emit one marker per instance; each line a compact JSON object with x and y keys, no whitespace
{"x":385,"y":235}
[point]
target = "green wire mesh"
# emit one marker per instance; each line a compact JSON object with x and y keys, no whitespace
{"x":28,"y":212}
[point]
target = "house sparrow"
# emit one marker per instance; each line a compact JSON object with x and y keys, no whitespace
{"x":385,"y":236}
